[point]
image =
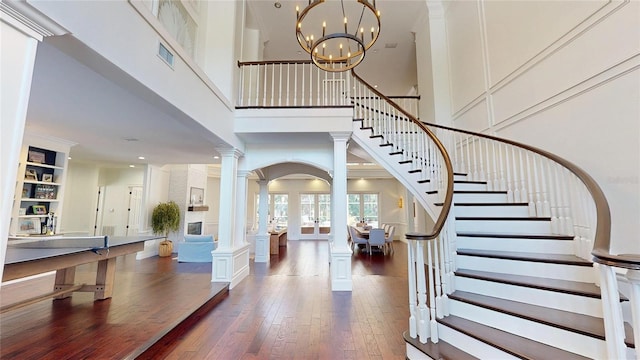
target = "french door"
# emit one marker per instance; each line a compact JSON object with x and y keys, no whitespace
{"x":315,"y":216}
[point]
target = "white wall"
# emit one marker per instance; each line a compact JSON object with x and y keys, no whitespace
{"x":80,"y":199}
{"x":560,"y":75}
{"x":204,"y":102}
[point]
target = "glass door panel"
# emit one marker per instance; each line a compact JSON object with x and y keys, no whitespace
{"x":307,"y":214}
{"x":315,"y":216}
{"x":324,"y":213}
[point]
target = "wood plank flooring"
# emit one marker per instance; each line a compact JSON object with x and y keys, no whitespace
{"x":286,"y":310}
{"x":150,"y":297}
{"x":283,"y":310}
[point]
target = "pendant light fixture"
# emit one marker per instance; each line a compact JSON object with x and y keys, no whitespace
{"x":338,"y":43}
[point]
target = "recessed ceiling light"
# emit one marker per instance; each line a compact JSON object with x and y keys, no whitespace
{"x":69,"y":158}
{"x":216,"y":157}
{"x":140,"y":157}
{"x":375,"y":86}
{"x":132,"y":166}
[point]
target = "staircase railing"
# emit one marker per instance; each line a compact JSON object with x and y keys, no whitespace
{"x":552,"y":187}
{"x":555,"y":188}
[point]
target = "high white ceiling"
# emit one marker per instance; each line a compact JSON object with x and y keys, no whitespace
{"x":113,"y":119}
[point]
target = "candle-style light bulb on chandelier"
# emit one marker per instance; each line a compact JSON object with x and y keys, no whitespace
{"x":339,"y":43}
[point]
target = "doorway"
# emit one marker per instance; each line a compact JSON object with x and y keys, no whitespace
{"x":315,"y":216}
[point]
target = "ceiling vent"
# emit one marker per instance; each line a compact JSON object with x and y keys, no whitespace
{"x":165,"y":54}
{"x":390,"y":45}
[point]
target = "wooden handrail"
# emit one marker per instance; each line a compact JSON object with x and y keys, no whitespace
{"x":602,"y":242}
{"x":448,"y":199}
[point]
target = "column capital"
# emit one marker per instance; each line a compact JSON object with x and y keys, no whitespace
{"x":233,"y":152}
{"x":243,"y":173}
{"x":341,"y":136}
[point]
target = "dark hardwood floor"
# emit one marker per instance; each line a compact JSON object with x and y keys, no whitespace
{"x":283,"y":310}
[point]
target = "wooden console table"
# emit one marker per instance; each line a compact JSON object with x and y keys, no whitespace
{"x":277,"y":239}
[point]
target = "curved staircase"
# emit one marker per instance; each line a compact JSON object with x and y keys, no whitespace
{"x":517,"y":282}
{"x":517,"y":264}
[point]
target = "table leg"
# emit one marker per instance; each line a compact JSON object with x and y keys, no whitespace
{"x":65,"y":278}
{"x":105,"y":278}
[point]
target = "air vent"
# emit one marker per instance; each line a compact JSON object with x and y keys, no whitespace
{"x":165,"y":55}
{"x":390,"y":45}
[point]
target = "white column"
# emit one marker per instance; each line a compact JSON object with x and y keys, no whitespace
{"x":228,"y":173}
{"x":240,"y":238}
{"x":439,"y":62}
{"x":262,"y":237}
{"x":340,"y":251}
{"x":19,"y":36}
{"x":231,"y":258}
{"x":634,"y":280}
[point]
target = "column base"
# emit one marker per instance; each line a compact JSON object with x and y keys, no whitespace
{"x":262,"y":248}
{"x":230,"y":265}
{"x":340,"y":258}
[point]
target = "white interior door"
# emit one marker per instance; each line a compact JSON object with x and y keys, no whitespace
{"x":134,"y":210}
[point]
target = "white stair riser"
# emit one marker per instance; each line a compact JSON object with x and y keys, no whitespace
{"x":527,"y":268}
{"x":413,"y":353}
{"x":493,"y":211}
{"x":470,"y":345}
{"x":470,"y":187}
{"x":460,"y":177}
{"x":521,"y":245}
{"x":552,"y":299}
{"x":563,"y":339}
{"x":522,"y":227}
{"x":480,"y":197}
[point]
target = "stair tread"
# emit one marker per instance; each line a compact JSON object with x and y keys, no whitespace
{"x":513,"y":344}
{"x":490,"y":204}
{"x":579,"y":323}
{"x":442,"y":350}
{"x":527,"y":256}
{"x":507,"y":218}
{"x":564,"y":286}
{"x":518,"y":236}
{"x":479,"y":192}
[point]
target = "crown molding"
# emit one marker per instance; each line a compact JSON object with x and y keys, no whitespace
{"x":24,"y":17}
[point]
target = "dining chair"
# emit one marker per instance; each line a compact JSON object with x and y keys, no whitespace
{"x":376,"y":238}
{"x":388,"y":239}
{"x":356,"y":239}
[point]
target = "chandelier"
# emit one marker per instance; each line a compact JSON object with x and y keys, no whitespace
{"x":339,"y":43}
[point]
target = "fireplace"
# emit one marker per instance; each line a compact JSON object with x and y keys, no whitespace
{"x":194,"y":228}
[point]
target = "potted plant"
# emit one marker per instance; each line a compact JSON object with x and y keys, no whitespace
{"x":165,"y":219}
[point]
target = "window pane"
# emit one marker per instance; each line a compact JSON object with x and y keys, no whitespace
{"x":353,"y":203}
{"x":370,"y":208}
{"x":280,"y":210}
{"x":307,"y":210}
{"x":324,"y":209}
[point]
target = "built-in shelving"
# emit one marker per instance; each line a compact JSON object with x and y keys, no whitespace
{"x":39,"y":188}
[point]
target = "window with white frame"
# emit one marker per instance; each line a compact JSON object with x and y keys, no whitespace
{"x":278,"y":215}
{"x":363,"y":207}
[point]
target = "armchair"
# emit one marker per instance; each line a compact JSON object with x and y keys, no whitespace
{"x":197,"y":248}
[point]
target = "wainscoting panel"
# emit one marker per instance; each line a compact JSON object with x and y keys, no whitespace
{"x":596,"y":50}
{"x":519,"y":30}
